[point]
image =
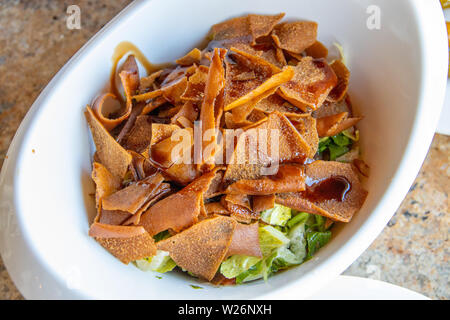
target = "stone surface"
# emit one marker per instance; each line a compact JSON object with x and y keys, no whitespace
{"x":35,"y":43}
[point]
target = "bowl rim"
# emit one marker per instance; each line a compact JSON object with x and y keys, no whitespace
{"x":433,"y":43}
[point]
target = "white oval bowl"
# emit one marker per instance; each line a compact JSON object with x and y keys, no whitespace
{"x":398,"y":81}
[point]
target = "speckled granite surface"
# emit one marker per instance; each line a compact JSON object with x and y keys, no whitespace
{"x":412,"y":251}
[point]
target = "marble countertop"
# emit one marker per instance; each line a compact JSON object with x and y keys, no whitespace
{"x":412,"y":251}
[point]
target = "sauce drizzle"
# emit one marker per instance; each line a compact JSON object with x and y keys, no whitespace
{"x":333,"y":188}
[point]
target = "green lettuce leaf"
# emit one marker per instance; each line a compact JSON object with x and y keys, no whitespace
{"x":271,"y":239}
{"x":277,"y":216}
{"x":336,"y":146}
{"x":236,"y":265}
{"x":316,"y":240}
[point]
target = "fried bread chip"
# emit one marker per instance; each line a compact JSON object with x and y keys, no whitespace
{"x":261,"y":203}
{"x":288,"y":179}
{"x":290,"y":145}
{"x":213,"y":88}
{"x":306,"y":125}
{"x":105,"y":182}
{"x":131,"y":198}
{"x":317,"y":50}
{"x":195,"y":89}
{"x":139,"y":137}
{"x":109,"y":153}
{"x":262,"y":25}
{"x":332,"y":125}
{"x":343,"y":75}
{"x":125,"y":243}
{"x":193,"y":56}
{"x":245,"y":241}
{"x":179,"y":210}
{"x":295,"y":36}
{"x":266,"y":77}
{"x":333,"y":191}
{"x":201,"y":248}
{"x":312,"y":82}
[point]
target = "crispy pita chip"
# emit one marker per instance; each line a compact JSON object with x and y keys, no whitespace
{"x":185,"y":122}
{"x":129,"y":75}
{"x":141,"y":166}
{"x":162,"y":153}
{"x":262,"y":25}
{"x":111,"y":154}
{"x":105,"y":182}
{"x":189,"y":110}
{"x":201,"y":248}
{"x":195,"y":89}
{"x":161,"y":131}
{"x":267,"y":76}
{"x":242,"y":214}
{"x":215,"y":187}
{"x":288,"y":179}
{"x":125,"y":243}
{"x":246,"y":162}
{"x":153,"y":104}
{"x":232,"y":28}
{"x":295,"y":36}
{"x":275,"y":102}
{"x":133,"y":197}
{"x":239,"y":199}
{"x":148,"y":81}
{"x":245,"y":241}
{"x":182,"y":173}
{"x":213,"y":88}
{"x":139,"y":137}
{"x":240,"y":114}
{"x":273,"y":82}
{"x":343,"y":75}
{"x":194,"y":56}
{"x":106,"y":108}
{"x":332,"y":125}
{"x":306,"y":126}
{"x":309,"y":87}
{"x":261,"y":203}
{"x":331,"y":108}
{"x":215,"y":208}
{"x":158,"y":193}
{"x":178,"y":211}
{"x":113,"y":217}
{"x":317,"y":50}
{"x":169,"y":111}
{"x":333,"y":191}
{"x":239,"y":212}
{"x":171,"y":89}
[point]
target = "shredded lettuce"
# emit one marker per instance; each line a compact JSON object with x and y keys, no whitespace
{"x":161,"y":262}
{"x":316,"y":240}
{"x":282,"y":247}
{"x":271,"y":239}
{"x":236,"y":265}
{"x":246,"y":268}
{"x":277,"y":216}
{"x":161,"y":236}
{"x":336,"y":146}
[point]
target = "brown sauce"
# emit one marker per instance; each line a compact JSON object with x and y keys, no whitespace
{"x":334,"y":188}
{"x":120,"y":51}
